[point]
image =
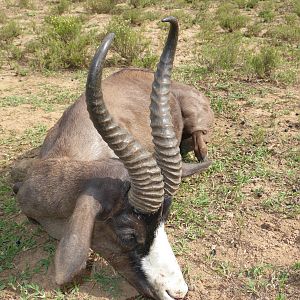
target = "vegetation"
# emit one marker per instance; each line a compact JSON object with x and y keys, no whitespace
{"x":128,"y":43}
{"x":100,"y":7}
{"x":264,"y":63}
{"x":9,"y":31}
{"x":61,"y":45}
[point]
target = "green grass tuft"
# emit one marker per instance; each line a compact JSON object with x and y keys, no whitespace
{"x":62,"y":7}
{"x":230,"y":19}
{"x":10,"y":31}
{"x":128,"y":43}
{"x":100,"y":7}
{"x":61,"y":45}
{"x":142,"y":3}
{"x":264,"y":63}
{"x":3,"y":17}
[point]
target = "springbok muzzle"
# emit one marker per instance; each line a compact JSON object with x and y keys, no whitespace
{"x":162,"y":270}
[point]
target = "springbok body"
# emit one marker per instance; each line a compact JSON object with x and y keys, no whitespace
{"x":95,"y":186}
{"x":126,"y":95}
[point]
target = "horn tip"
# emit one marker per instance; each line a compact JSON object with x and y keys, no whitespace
{"x":170,"y":19}
{"x":110,"y":36}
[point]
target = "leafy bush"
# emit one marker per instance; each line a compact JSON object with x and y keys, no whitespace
{"x":129,"y":44}
{"x":208,"y":29}
{"x":223,"y":56}
{"x":142,"y":3}
{"x":62,"y":44}
{"x":253,"y":30}
{"x":229,"y":18}
{"x":232,"y":22}
{"x":25,"y":4}
{"x":264,"y":63}
{"x":10,"y":31}
{"x":137,"y":16}
{"x":296,"y":7}
{"x":267,"y":12}
{"x":285,"y":32}
{"x":184,"y":19}
{"x":3,"y":17}
{"x":246,"y":3}
{"x":61,"y":7}
{"x":148,"y":61}
{"x":101,"y":7}
{"x":134,"y":16}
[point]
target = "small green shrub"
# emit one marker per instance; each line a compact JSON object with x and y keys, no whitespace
{"x":267,"y":15}
{"x":10,"y":31}
{"x":148,"y":61}
{"x":184,"y":19}
{"x":129,"y":44}
{"x":142,"y":3}
{"x":134,"y":16}
{"x":246,"y":4}
{"x":223,"y":56}
{"x":253,"y":30}
{"x":285,"y":32}
{"x":62,"y":7}
{"x":229,"y":17}
{"x":25,"y":4}
{"x":14,"y":52}
{"x":296,"y":7}
{"x":208,"y":29}
{"x":152,"y":16}
{"x":288,"y":77}
{"x":232,"y":22}
{"x":264,"y":63}
{"x":291,"y":19}
{"x":267,"y":12}
{"x":101,"y":7}
{"x":3,"y":17}
{"x":62,"y":44}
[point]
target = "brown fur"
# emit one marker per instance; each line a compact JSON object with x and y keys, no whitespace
{"x":77,"y":189}
{"x":127,"y":96}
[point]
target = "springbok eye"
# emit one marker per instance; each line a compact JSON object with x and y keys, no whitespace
{"x":127,"y":237}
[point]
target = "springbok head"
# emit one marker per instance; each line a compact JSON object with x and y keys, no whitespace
{"x":128,"y":223}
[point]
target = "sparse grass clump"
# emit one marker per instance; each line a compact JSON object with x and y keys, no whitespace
{"x":185,"y":19}
{"x":134,"y":16}
{"x":296,"y":7}
{"x":232,"y":22}
{"x":284,"y":32}
{"x":142,"y":3}
{"x":223,"y":56}
{"x":230,"y":19}
{"x":62,"y":7}
{"x":129,"y":44}
{"x":62,"y":44}
{"x":25,"y":4}
{"x":100,"y":7}
{"x":246,"y":3}
{"x":253,"y":30}
{"x":264,"y":63}
{"x":10,"y":31}
{"x":148,"y":61}
{"x":3,"y":17}
{"x":267,"y":12}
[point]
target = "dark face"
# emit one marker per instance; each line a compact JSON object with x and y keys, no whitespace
{"x":127,"y":240}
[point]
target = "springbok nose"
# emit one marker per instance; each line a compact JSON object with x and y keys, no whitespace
{"x":179,"y":291}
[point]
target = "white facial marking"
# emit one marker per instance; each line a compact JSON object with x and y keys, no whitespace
{"x":162,"y":270}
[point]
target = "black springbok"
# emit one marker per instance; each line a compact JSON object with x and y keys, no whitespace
{"x":98,"y":185}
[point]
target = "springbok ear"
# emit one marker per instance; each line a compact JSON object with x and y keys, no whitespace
{"x":73,"y":248}
{"x":189,"y":169}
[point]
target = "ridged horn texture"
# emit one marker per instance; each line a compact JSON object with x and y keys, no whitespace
{"x":167,"y":151}
{"x":147,"y":188}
